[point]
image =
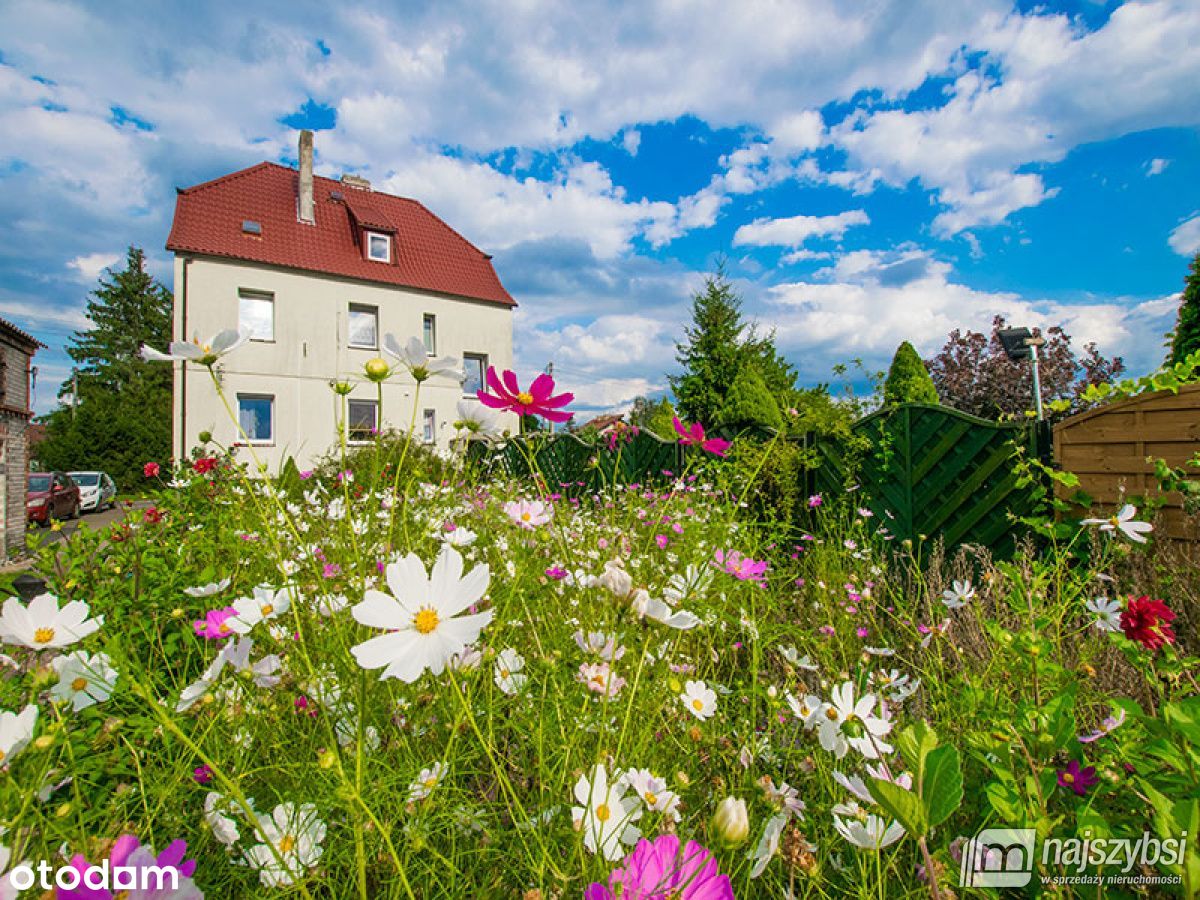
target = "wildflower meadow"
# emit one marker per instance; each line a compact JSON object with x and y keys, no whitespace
{"x":401,"y":675}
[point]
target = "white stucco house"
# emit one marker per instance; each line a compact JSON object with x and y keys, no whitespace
{"x":317,"y":271}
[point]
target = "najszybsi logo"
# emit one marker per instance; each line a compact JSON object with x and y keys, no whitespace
{"x":1004,"y":857}
{"x":998,"y":857}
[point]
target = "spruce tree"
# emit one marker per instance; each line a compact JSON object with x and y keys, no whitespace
{"x":1185,"y":340}
{"x":908,"y":380}
{"x":712,"y":353}
{"x":120,"y":415}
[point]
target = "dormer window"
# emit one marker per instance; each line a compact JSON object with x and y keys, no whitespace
{"x":379,"y":247}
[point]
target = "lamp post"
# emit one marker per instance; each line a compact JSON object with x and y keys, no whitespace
{"x":1019,"y":344}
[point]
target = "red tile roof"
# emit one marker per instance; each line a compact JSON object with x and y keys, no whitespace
{"x":427,"y":255}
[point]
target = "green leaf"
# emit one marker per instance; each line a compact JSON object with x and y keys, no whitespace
{"x":1006,"y":801}
{"x":942,"y":787}
{"x":902,"y":805}
{"x":914,"y":744}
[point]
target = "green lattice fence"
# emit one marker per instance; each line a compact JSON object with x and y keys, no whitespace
{"x":929,"y":471}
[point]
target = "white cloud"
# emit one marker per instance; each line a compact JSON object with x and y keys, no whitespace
{"x":88,"y":268}
{"x":1156,"y":166}
{"x":1185,"y":238}
{"x":795,"y":230}
{"x":631,"y":139}
{"x":1044,"y":88}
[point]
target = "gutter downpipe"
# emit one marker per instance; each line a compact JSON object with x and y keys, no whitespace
{"x":183,"y":366}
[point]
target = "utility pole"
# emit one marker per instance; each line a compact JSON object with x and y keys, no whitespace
{"x":1033,"y":343}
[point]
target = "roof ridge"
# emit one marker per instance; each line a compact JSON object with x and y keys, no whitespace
{"x":223,"y":179}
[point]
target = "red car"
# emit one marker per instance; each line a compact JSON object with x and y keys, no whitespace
{"x":51,"y":495}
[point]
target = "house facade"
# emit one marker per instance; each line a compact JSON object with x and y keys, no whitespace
{"x":316,"y":271}
{"x":16,"y":368}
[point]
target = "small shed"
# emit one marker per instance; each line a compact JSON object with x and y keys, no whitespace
{"x":16,"y":356}
{"x":1112,"y":450}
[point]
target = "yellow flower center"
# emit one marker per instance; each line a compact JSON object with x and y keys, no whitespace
{"x":831,"y":714}
{"x":525,"y":398}
{"x":1114,"y":521}
{"x":79,"y":684}
{"x":603,"y":813}
{"x":267,"y":609}
{"x":430,"y":782}
{"x":504,"y":673}
{"x":43,"y":636}
{"x":1068,"y":778}
{"x":287,"y":844}
{"x":651,"y":798}
{"x":223,"y":628}
{"x":2,"y":755}
{"x":426,"y":620}
{"x":525,"y":517}
{"x":698,"y":705}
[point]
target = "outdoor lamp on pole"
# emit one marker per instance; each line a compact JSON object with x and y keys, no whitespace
{"x":1019,"y":344}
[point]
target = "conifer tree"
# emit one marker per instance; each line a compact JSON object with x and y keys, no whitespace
{"x":908,"y":379}
{"x":1185,"y":339}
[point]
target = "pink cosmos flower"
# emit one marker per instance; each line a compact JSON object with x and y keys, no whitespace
{"x":1076,"y":778}
{"x":212,"y":627}
{"x":657,"y":871}
{"x":539,"y":400}
{"x":693,"y":435}
{"x":151,"y":470}
{"x":529,"y":514}
{"x":129,"y":852}
{"x":814,"y":501}
{"x":741,"y":567}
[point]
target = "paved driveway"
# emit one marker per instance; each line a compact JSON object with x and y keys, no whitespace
{"x":93,"y":520}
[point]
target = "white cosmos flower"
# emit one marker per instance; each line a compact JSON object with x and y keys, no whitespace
{"x":808,"y":710}
{"x":792,"y":655}
{"x":425,"y":782}
{"x":602,"y":645}
{"x":236,"y":655}
{"x":699,"y":699}
{"x":693,"y":581}
{"x":194,"y":351}
{"x":476,"y":420}
{"x":16,"y":731}
{"x":208,"y":590}
{"x":43,"y":626}
{"x":1125,"y":523}
{"x":508,"y":675}
{"x":266,"y":604}
{"x":421,"y":616}
{"x":858,"y":787}
{"x":83,"y":679}
{"x":465,"y":660}
{"x":648,"y":607}
{"x":224,"y":828}
{"x":1108,"y":613}
{"x":528,"y":514}
{"x":847,"y":723}
{"x":869,"y":832}
{"x":768,"y":845}
{"x":458,"y":536}
{"x":8,"y":890}
{"x":295,"y":832}
{"x":895,"y":685}
{"x":652,"y":791}
{"x":605,"y":815}
{"x":419,"y":363}
{"x":958,"y":595}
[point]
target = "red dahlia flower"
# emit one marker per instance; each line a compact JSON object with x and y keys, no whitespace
{"x":204,"y":465}
{"x":537,"y":401}
{"x":693,"y":435}
{"x":1146,"y":621}
{"x":151,"y":470}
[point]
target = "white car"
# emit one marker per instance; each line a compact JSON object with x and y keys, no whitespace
{"x":96,"y":490}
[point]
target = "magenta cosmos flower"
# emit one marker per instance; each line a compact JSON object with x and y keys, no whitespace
{"x":213,"y":627}
{"x":693,"y":436}
{"x":142,"y":883}
{"x":539,"y":400}
{"x":657,"y":871}
{"x":743,"y":568}
{"x":1076,"y":778}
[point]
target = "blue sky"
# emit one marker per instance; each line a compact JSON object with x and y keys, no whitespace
{"x":871,"y":172}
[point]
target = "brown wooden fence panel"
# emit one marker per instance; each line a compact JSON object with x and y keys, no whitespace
{"x":1108,"y":448}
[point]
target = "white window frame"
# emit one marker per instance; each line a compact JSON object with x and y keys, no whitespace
{"x":258,"y":442}
{"x":483,"y":367}
{"x":252,"y":294}
{"x":374,"y":404}
{"x":429,"y":333}
{"x":429,"y":426}
{"x":362,"y":308}
{"x":387,"y":240}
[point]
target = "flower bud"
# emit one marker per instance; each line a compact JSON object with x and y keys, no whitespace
{"x":731,"y":823}
{"x":377,"y":369}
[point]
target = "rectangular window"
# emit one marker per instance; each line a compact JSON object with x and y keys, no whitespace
{"x":364,"y":326}
{"x":430,"y":332}
{"x":379,"y":247}
{"x":475,"y":365}
{"x":256,"y":416}
{"x":362,"y":420}
{"x":430,"y":430}
{"x":256,"y":315}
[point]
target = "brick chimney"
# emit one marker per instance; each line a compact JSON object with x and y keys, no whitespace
{"x":304,"y":208}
